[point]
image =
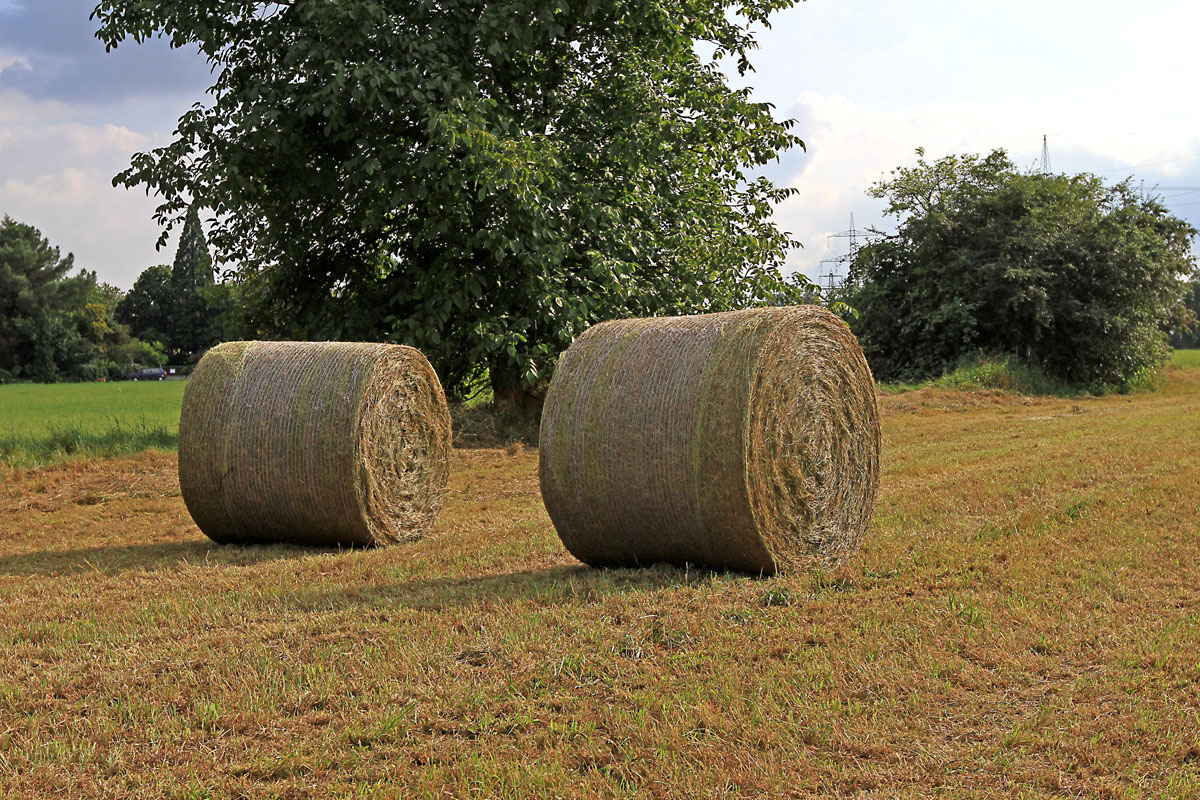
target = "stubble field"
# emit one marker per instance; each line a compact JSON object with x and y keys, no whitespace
{"x":1023,"y":621}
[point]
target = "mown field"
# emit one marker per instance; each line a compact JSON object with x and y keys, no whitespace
{"x":1022,"y":622}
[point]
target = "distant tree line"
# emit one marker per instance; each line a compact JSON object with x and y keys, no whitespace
{"x":55,"y":325}
{"x":1083,"y":280}
{"x":181,"y":307}
{"x":59,"y":326}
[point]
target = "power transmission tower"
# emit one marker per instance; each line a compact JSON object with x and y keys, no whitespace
{"x":1045,"y":156}
{"x":832,"y":277}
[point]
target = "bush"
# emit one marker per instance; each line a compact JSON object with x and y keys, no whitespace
{"x":1185,"y":333}
{"x":1065,"y":273}
{"x":91,"y":371}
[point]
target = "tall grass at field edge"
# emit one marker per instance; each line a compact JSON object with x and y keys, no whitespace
{"x":42,"y":425}
{"x":1007,"y":373}
{"x":990,"y":372}
{"x":69,"y":440}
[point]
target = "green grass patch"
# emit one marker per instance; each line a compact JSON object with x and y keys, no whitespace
{"x":992,"y":372}
{"x":1186,"y":359}
{"x":46,"y":423}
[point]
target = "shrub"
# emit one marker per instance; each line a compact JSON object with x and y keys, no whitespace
{"x":1068,"y":274}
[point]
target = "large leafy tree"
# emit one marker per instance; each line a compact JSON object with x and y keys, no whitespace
{"x":1064,"y":271}
{"x":147,"y":307}
{"x":480,"y":178}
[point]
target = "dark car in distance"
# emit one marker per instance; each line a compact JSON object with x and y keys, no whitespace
{"x":150,"y":374}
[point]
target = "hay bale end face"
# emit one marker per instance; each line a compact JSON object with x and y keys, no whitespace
{"x":320,"y":443}
{"x":746,"y":440}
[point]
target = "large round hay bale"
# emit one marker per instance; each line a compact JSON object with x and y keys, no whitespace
{"x":746,"y":440}
{"x":324,"y":443}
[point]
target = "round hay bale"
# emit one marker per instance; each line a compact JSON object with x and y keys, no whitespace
{"x":746,"y":440}
{"x":320,"y":443}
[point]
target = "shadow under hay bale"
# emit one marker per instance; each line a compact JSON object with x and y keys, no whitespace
{"x":746,"y":440}
{"x":322,"y":443}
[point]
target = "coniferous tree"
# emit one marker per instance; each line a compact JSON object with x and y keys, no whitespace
{"x":34,"y":334}
{"x":193,"y":264}
{"x":192,"y":327}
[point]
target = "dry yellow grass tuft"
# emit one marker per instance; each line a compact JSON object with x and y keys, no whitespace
{"x":1022,"y":622}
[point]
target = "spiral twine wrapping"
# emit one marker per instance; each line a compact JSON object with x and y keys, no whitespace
{"x":746,"y":440}
{"x":321,"y":443}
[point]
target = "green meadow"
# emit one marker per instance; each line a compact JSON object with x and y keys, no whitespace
{"x":1186,"y":359}
{"x":45,"y":423}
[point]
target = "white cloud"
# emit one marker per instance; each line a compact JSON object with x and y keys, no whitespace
{"x":851,"y":146}
{"x":57,"y":176}
{"x":20,"y":62}
{"x":78,"y":211}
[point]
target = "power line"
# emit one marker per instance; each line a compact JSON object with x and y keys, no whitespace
{"x":833,"y":276}
{"x":1151,"y":164}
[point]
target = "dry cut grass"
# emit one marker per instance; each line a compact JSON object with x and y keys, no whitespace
{"x":1022,"y":622}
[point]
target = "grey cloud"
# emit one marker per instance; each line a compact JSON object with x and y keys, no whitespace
{"x":66,"y":62}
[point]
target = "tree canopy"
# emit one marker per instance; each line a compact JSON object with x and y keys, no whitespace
{"x":1066,"y":272}
{"x":146,"y":308}
{"x":482,"y":179}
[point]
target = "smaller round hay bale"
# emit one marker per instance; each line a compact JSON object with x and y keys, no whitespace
{"x":746,"y":440}
{"x":319,"y":443}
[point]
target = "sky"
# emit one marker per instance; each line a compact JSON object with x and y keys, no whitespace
{"x":1111,"y":85}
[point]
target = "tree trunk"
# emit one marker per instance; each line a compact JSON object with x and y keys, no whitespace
{"x":509,"y":393}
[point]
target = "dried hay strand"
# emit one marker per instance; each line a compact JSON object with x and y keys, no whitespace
{"x":320,"y":443}
{"x":744,"y":440}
